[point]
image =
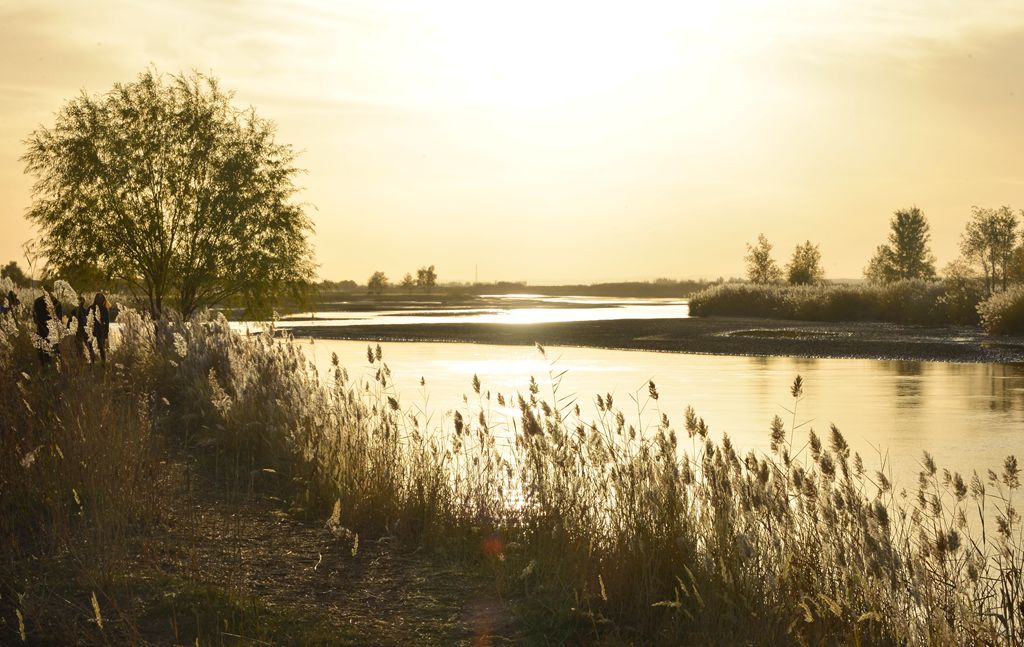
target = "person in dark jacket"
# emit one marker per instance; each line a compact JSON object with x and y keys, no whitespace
{"x":46,"y":311}
{"x":80,"y":315}
{"x":9,"y":303}
{"x":100,"y":317}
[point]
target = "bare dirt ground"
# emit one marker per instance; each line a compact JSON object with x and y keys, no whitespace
{"x":230,"y":569}
{"x":274,"y":579}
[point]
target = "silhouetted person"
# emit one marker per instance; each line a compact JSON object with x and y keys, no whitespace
{"x":100,"y":324}
{"x":44,"y":311}
{"x":81,"y":316}
{"x":9,"y":303}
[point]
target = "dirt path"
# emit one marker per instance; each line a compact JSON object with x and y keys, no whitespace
{"x":248,"y":573}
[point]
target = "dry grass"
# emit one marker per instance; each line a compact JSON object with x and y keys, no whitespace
{"x":620,"y":531}
{"x":609,"y":530}
{"x":906,"y":302}
{"x":80,"y":474}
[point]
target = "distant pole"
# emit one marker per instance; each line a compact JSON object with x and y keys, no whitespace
{"x":476,"y":273}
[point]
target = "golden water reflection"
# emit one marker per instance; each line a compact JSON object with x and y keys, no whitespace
{"x":969,"y":416}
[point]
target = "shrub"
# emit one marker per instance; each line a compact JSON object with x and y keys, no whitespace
{"x":962,"y":293}
{"x":908,"y":302}
{"x":1003,"y":312}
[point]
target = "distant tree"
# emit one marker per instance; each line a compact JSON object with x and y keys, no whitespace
{"x":164,"y":184}
{"x":14,"y":272}
{"x":426,"y":278}
{"x":906,"y":255}
{"x":1016,"y":268}
{"x":805,"y":266}
{"x":346,"y":285}
{"x":989,"y":240}
{"x":82,"y":274}
{"x":408,"y":283}
{"x":882,"y":266}
{"x":761,"y":267}
{"x":377,"y":282}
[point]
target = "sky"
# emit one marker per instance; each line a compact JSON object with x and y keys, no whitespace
{"x":574,"y":141}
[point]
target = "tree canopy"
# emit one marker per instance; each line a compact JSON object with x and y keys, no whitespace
{"x":907,"y":254}
{"x":163,"y":183}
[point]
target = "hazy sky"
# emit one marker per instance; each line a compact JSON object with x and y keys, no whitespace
{"x":573,"y":141}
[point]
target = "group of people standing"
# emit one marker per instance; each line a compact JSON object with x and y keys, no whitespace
{"x":92,"y":325}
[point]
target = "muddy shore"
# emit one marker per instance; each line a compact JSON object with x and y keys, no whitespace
{"x":713,"y":336}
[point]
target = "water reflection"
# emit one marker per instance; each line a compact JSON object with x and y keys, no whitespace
{"x":907,"y":383}
{"x":969,"y":416}
{"x":561,"y":310}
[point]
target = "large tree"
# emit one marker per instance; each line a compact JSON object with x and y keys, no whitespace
{"x":163,"y":183}
{"x":761,"y":267}
{"x":14,"y":272}
{"x":906,"y":255}
{"x":989,"y":241}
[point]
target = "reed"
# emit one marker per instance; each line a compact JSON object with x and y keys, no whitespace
{"x":609,"y":527}
{"x":660,"y":534}
{"x":907,"y":302}
{"x":80,"y":470}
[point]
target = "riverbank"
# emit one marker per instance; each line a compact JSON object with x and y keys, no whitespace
{"x":713,"y":336}
{"x":202,"y":488}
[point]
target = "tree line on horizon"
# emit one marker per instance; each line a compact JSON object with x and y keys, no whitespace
{"x":426,"y":280}
{"x":991,"y":251}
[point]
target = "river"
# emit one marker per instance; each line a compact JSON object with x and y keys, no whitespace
{"x":968,"y":416}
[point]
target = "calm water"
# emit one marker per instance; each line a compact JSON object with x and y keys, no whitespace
{"x":558,"y":309}
{"x":969,"y":416}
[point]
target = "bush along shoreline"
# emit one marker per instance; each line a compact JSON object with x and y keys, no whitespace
{"x":1003,"y":313}
{"x":607,"y":530}
{"x":914,"y":302}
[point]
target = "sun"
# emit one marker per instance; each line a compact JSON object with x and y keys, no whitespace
{"x":548,"y":56}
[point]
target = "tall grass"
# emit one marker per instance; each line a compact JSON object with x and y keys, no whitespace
{"x":664,"y":535}
{"x":907,"y":302}
{"x":608,"y":528}
{"x":80,"y":472}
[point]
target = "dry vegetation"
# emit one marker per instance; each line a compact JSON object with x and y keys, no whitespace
{"x":605,"y":531}
{"x":907,"y":302}
{"x":955,"y":300}
{"x":1004,"y":312}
